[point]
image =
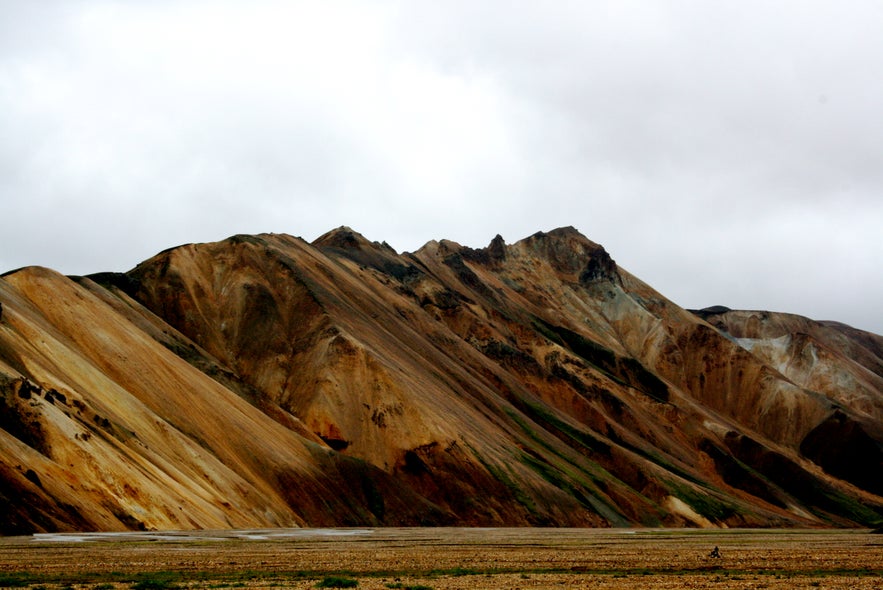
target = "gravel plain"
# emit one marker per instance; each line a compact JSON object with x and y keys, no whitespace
{"x":448,"y":558}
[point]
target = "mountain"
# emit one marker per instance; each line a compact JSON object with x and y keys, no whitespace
{"x":265,"y":381}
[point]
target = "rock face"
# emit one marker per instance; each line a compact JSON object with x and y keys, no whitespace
{"x":264,"y":381}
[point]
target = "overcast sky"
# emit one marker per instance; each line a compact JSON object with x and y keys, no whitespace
{"x":724,"y":152}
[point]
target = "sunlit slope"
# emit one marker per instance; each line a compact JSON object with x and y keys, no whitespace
{"x":104,"y":428}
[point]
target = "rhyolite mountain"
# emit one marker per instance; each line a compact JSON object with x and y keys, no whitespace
{"x":264,"y":381}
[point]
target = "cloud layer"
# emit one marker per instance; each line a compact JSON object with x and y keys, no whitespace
{"x":725,"y":153}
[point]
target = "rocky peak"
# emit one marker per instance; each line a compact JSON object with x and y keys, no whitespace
{"x":347,"y":243}
{"x":494,"y":252}
{"x":448,"y":247}
{"x":570,"y":252}
{"x":497,"y":249}
{"x":343,"y":238}
{"x":492,"y":255}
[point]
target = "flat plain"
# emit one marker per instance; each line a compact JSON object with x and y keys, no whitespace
{"x":446,"y":558}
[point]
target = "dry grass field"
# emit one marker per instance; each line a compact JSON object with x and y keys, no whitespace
{"x":447,"y":558}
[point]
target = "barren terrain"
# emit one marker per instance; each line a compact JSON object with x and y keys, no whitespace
{"x":267,"y":382}
{"x":442,"y":558}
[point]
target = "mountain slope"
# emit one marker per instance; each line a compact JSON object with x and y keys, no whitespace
{"x":265,"y":381}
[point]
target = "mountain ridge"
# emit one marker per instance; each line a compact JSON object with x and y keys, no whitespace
{"x":267,"y":381}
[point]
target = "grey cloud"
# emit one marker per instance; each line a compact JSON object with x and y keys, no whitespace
{"x":724,"y":153}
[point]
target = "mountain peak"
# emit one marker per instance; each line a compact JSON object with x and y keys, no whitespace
{"x":497,"y":249}
{"x":566,"y":235}
{"x":571,"y":252}
{"x":342,"y":237}
{"x":565,"y":231}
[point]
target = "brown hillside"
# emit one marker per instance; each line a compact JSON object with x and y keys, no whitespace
{"x":266,"y":381}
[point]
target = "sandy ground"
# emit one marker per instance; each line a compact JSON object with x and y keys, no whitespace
{"x":453,"y":558}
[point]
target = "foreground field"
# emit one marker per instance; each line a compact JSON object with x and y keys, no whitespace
{"x":446,"y":559}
